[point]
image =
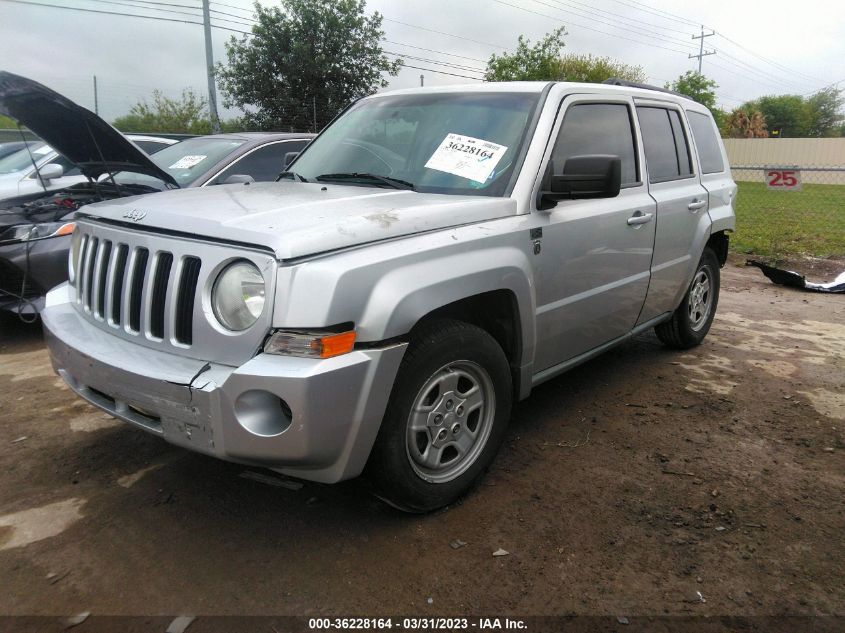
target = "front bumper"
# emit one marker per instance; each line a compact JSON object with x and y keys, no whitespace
{"x":336,"y":405}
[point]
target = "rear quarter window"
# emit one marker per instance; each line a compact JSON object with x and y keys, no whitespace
{"x":704,"y":133}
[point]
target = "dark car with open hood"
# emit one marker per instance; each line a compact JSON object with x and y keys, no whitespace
{"x":35,"y":229}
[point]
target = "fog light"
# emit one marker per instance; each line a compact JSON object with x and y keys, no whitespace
{"x":263,"y":413}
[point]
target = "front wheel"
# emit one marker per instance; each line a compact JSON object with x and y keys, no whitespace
{"x":446,"y":417}
{"x":690,"y":323}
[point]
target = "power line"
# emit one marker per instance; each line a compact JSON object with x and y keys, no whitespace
{"x":765,"y":59}
{"x":617,"y":16}
{"x":171,"y":11}
{"x":439,"y":63}
{"x":431,"y":50}
{"x":635,"y":30}
{"x":589,"y":28}
{"x":656,"y":12}
{"x":440,"y":72}
{"x":460,"y":37}
{"x":231,"y":6}
{"x":128,"y":15}
{"x":640,"y":6}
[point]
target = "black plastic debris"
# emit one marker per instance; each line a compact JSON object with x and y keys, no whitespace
{"x":796,"y":280}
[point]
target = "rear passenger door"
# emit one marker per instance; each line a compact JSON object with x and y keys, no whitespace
{"x":682,"y":217}
{"x":592,"y":273}
{"x":713,"y":164}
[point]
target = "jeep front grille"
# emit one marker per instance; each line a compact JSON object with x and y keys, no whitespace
{"x":154,"y":290}
{"x":112,"y":282}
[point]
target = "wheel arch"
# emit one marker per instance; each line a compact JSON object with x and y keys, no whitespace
{"x":498,"y":298}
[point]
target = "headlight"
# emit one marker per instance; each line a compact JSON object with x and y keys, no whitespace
{"x":28,"y":232}
{"x":238,"y":296}
{"x":73,"y":256}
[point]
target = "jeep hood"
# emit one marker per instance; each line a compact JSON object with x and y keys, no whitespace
{"x":79,"y":134}
{"x":297,"y":219}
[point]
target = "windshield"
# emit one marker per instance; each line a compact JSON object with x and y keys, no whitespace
{"x":185,"y":161}
{"x":21,"y":160}
{"x":443,"y":143}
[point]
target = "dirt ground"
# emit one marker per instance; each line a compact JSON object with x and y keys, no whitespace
{"x":646,"y":482}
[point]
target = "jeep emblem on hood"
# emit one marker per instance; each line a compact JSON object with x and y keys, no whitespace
{"x":136,"y":215}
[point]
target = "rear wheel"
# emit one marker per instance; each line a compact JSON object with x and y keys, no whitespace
{"x":691,"y":321}
{"x":446,"y":417}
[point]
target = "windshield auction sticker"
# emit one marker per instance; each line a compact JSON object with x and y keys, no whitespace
{"x":467,"y":157}
{"x":186,"y":162}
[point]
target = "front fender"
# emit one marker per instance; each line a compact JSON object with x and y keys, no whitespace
{"x":406,"y":294}
{"x":386,"y":288}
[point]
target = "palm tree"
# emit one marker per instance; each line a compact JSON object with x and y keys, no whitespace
{"x":742,"y":124}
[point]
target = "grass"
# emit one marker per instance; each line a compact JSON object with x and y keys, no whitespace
{"x":777,"y":224}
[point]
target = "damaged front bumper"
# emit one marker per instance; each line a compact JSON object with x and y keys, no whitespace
{"x":315,"y":419}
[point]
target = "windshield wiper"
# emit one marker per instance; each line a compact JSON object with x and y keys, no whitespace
{"x":395,"y":183}
{"x":293,"y":175}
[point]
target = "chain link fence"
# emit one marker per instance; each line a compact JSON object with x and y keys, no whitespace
{"x":785,"y":211}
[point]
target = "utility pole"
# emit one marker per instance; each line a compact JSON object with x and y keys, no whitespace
{"x":701,"y":53}
{"x":96,"y":98}
{"x":314,"y":110}
{"x":422,"y":80}
{"x":209,"y":69}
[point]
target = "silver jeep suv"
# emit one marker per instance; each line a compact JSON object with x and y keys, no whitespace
{"x":429,"y":258}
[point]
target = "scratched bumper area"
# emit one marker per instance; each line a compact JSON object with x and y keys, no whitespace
{"x":336,"y":403}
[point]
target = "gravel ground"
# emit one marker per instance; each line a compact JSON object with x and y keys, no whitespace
{"x":646,"y":482}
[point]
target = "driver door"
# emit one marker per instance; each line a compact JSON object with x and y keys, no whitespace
{"x":593,"y":272}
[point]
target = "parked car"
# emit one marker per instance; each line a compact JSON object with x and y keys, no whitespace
{"x":10,"y":148}
{"x":35,"y":228}
{"x":432,"y":256}
{"x":37,"y":167}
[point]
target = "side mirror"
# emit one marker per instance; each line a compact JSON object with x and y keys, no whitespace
{"x":289,"y":158}
{"x":235,"y":179}
{"x":50,"y":171}
{"x":591,"y":176}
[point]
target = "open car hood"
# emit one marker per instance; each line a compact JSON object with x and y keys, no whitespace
{"x":79,"y":134}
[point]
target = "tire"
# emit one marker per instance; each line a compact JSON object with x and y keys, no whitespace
{"x":690,"y":323}
{"x":457,"y":378}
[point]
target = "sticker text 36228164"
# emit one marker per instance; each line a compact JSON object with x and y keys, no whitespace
{"x":467,"y":157}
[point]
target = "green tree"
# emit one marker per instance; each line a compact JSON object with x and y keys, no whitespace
{"x":539,"y":62}
{"x":697,"y":87}
{"x":305,"y":60}
{"x":544,"y":62}
{"x":592,"y":69}
{"x":826,"y":117}
{"x":188,"y":114}
{"x":787,"y":113}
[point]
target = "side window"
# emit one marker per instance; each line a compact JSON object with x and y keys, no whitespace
{"x":151,"y":147}
{"x":706,"y":141}
{"x":264,"y":164}
{"x":681,"y":144}
{"x":666,"y":148}
{"x":597,"y":128}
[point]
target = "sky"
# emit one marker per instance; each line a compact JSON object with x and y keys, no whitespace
{"x":761,"y":48}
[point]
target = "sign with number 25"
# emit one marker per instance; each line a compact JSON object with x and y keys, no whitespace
{"x":783,"y":179}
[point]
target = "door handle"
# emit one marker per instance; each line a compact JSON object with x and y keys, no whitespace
{"x":639,"y":218}
{"x":695,"y":205}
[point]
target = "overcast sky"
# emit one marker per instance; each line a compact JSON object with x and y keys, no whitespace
{"x":762,"y":48}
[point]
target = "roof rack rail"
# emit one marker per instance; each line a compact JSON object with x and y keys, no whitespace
{"x":616,"y":81}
